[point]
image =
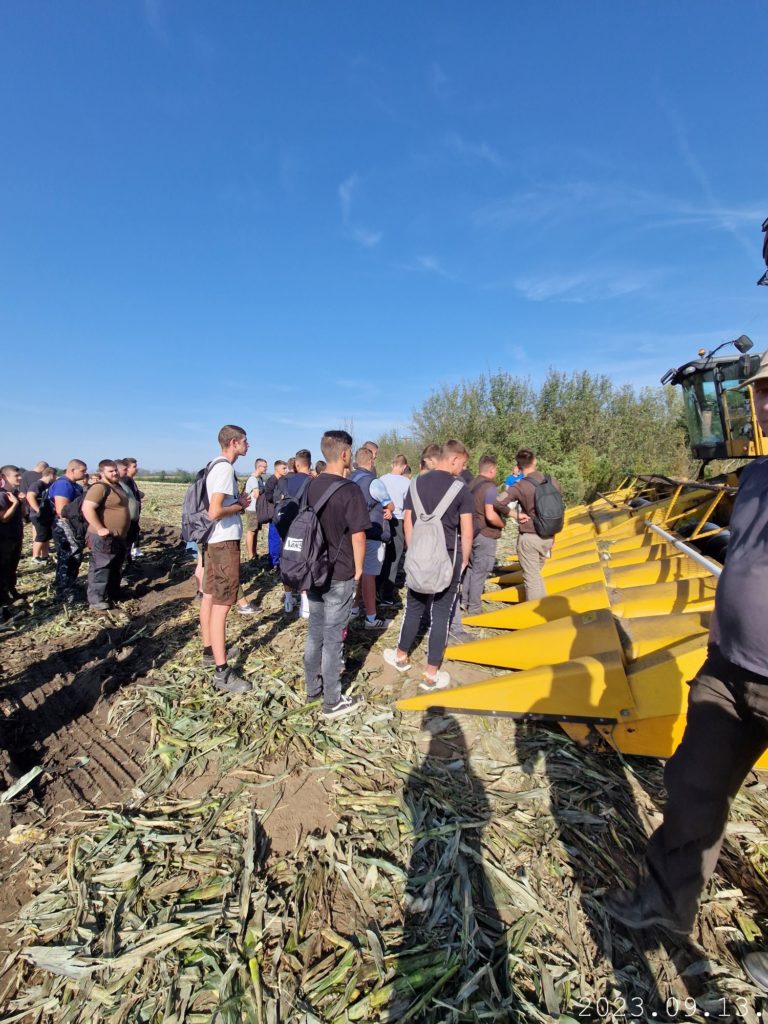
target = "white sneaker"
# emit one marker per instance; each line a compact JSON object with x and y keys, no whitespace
{"x":304,"y":605}
{"x":391,"y":658}
{"x":376,"y":623}
{"x":289,"y":604}
{"x":246,"y":609}
{"x":438,"y":681}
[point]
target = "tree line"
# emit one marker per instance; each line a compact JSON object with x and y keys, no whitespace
{"x":587,"y":431}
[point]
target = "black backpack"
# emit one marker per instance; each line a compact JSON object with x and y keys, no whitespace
{"x":73,"y":513}
{"x":287,"y":505}
{"x":304,"y":561}
{"x":196,"y":524}
{"x":548,"y":508}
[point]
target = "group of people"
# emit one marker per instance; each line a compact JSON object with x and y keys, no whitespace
{"x":75,"y":511}
{"x":367,"y":524}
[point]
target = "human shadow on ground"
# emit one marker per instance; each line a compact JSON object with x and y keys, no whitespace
{"x":599,"y":830}
{"x":452,"y":930}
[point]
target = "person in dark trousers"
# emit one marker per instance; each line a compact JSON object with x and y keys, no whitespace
{"x":11,"y":536}
{"x":343,"y":519}
{"x":287,"y":498}
{"x":432,"y":487}
{"x":397,"y":484}
{"x":41,"y":515}
{"x":69,"y":546}
{"x":727,"y":727}
{"x":532,"y":550}
{"x":488,"y":525}
{"x":106,"y":511}
{"x":274,"y":543}
{"x":128,"y":482}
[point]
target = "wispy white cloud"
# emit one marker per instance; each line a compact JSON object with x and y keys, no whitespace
{"x":585,"y":286}
{"x":429,"y":265}
{"x":574,"y":200}
{"x":475,"y":152}
{"x":439,"y":82}
{"x":363,"y":235}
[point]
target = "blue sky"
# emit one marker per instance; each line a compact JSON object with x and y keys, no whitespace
{"x":291,"y":215}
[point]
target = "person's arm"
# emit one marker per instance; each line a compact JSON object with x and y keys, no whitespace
{"x":407,"y":525}
{"x":218,"y":510}
{"x":59,"y":502}
{"x":358,"y":551}
{"x":91,"y":516}
{"x":32,"y":502}
{"x":10,"y":508}
{"x":493,"y":517}
{"x":467,"y":536}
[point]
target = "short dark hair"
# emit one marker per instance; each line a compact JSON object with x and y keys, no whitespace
{"x":107,"y":462}
{"x":524,"y":458}
{"x":280,"y":462}
{"x":486,"y":461}
{"x":453,"y":447}
{"x":130,"y":461}
{"x":9,"y":467}
{"x":304,"y":456}
{"x":121,"y":462}
{"x":291,"y":464}
{"x":320,"y":466}
{"x":230,"y":432}
{"x":333,"y":443}
{"x":371,"y":445}
{"x":258,"y":461}
{"x":364,"y":455}
{"x":400,"y":460}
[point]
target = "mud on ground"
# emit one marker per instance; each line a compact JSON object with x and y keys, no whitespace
{"x":363,"y":837}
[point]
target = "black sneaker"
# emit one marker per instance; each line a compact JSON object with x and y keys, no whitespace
{"x":345,"y":706}
{"x":635,"y":909}
{"x":231,"y":682}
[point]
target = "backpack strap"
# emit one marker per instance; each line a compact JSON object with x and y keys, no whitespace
{"x":448,"y":497}
{"x":335,"y":486}
{"x":418,"y":508}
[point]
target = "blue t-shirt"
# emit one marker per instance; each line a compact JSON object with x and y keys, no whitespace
{"x":64,"y":488}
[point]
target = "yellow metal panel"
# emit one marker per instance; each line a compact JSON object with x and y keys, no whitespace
{"x":574,"y":636}
{"x":552,"y":567}
{"x":697,"y":594}
{"x":544,"y":609}
{"x":636,"y":542}
{"x":592,"y":687}
{"x":665,"y":570}
{"x":649,"y":553}
{"x":643,"y":636}
{"x":555,"y":584}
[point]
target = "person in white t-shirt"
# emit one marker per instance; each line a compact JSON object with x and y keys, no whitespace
{"x":397,"y":485}
{"x":221,"y":557}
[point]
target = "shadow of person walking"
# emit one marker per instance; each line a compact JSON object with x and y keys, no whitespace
{"x":453,"y":957}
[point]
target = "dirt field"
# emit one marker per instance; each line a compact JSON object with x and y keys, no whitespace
{"x":186,"y":856}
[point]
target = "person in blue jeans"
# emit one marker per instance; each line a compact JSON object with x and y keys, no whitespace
{"x":343,"y":520}
{"x":274,"y":543}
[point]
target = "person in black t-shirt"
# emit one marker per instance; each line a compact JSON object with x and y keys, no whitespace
{"x":11,"y":536}
{"x":41,"y":514}
{"x":457,"y":524}
{"x":343,"y":520}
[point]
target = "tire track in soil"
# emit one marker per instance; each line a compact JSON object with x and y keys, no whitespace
{"x":56,"y":715}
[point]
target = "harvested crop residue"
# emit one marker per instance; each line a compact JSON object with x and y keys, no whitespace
{"x":188,"y":856}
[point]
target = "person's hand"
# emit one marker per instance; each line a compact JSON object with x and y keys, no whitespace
{"x":245,"y":501}
{"x":358,"y":576}
{"x":13,"y":499}
{"x":523,"y":518}
{"x":388,"y":510}
{"x":103,"y":532}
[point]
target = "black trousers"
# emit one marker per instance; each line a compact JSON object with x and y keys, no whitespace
{"x":392,"y":554}
{"x":725,"y":734}
{"x":439,"y":610}
{"x":10,"y":555}
{"x":105,"y":568}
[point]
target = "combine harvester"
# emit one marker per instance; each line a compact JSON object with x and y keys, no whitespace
{"x":631,"y":586}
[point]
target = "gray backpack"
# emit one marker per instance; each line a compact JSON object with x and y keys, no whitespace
{"x":428,"y":566}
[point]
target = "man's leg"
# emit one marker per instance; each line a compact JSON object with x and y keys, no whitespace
{"x":68,"y":559}
{"x":725,"y":734}
{"x":116,"y":569}
{"x":99,"y":568}
{"x":480,"y":568}
{"x":275,"y":545}
{"x":415,"y":607}
{"x":368,"y":587}
{"x":250,"y":543}
{"x":6,"y":557}
{"x":442,"y":613}
{"x":313,"y":646}
{"x":532,"y":554}
{"x":220,"y":589}
{"x":337,"y":602}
